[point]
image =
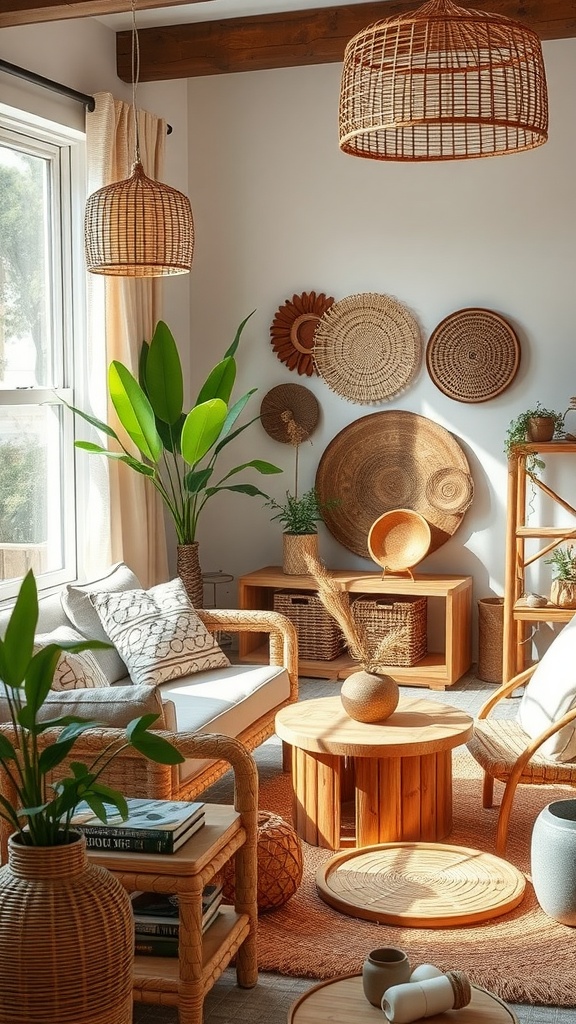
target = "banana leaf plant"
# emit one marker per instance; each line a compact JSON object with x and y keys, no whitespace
{"x":178,"y":451}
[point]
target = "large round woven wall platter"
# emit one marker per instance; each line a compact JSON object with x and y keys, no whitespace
{"x":391,"y":460}
{"x":367,"y":348}
{"x":293,"y":330}
{"x":473,"y":355}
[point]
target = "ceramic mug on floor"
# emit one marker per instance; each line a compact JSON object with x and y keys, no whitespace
{"x":381,"y":969}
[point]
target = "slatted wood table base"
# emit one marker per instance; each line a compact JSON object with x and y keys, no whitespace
{"x":398,"y":771}
{"x":394,"y":797}
{"x":342,"y":1000}
{"x":420,"y":885}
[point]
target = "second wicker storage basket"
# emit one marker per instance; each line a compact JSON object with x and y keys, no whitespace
{"x":318,"y":634}
{"x":387,"y":614}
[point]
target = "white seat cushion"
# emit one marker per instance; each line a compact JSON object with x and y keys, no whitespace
{"x":550,"y":693}
{"x":226,"y":701}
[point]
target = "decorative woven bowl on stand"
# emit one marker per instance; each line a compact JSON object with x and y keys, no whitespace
{"x":399,"y":539}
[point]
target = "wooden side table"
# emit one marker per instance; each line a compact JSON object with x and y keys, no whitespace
{"x":185,"y":980}
{"x":342,"y":1000}
{"x":400,"y":770}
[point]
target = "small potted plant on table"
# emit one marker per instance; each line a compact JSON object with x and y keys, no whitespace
{"x":534,"y":425}
{"x":299,"y":517}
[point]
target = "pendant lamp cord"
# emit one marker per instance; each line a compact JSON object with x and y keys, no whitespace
{"x":135,"y":77}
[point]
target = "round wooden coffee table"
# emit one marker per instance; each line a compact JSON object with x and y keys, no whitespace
{"x":342,"y":1000}
{"x":399,"y":771}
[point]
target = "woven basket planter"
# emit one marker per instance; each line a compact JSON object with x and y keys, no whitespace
{"x":381,"y":615}
{"x":318,"y":634}
{"x":295,"y":547}
{"x":189,"y":571}
{"x":66,"y":939}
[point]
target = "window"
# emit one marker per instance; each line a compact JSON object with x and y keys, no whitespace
{"x":41,"y":314}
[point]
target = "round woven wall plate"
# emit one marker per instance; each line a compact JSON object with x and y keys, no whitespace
{"x":473,"y":355}
{"x":293,"y":328}
{"x":367,"y":347}
{"x":391,"y":460}
{"x":289,"y":413}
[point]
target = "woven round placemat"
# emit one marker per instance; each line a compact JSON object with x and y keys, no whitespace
{"x":293,"y":328}
{"x":473,"y":355}
{"x":367,"y":347}
{"x":289,"y":413}
{"x":384,"y":461}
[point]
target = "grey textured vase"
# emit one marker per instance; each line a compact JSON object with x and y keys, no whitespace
{"x":382,"y":969}
{"x":553,"y":860}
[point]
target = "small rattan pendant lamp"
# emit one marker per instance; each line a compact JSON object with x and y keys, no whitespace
{"x":443,"y":83}
{"x":138,"y":227}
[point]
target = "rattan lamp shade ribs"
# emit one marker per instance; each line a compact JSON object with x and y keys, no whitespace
{"x":138,"y":227}
{"x":443,"y":83}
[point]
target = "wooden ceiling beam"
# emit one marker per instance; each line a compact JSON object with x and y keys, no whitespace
{"x":14,"y":12}
{"x":296,"y":38}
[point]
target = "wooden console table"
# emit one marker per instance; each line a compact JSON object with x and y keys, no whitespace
{"x":437,"y":670}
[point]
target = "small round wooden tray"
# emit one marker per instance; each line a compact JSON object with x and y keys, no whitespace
{"x":420,"y":885}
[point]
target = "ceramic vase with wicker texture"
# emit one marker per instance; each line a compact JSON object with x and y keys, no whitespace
{"x":369,"y":696}
{"x":66,"y":938}
{"x":189,"y":571}
{"x":295,"y":548}
{"x":540,"y":428}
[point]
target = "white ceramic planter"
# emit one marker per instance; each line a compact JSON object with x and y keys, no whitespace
{"x":553,"y":860}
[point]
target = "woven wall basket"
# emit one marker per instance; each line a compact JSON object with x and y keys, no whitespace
{"x":367,"y":347}
{"x":473,"y":355}
{"x":66,"y":939}
{"x":391,"y":460}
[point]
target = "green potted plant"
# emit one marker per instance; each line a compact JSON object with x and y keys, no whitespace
{"x":51,"y":897}
{"x":299,"y":517}
{"x":178,"y":451}
{"x":534,"y":425}
{"x":563,"y":589}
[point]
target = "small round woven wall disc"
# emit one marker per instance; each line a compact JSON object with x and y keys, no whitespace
{"x":473,"y":355}
{"x":368,"y":347}
{"x":293,"y":329}
{"x":450,"y":490}
{"x":289,"y":413}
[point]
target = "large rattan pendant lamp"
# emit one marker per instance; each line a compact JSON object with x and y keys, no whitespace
{"x":138,"y":227}
{"x":443,"y":83}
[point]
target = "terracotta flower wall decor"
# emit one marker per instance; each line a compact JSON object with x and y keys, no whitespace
{"x":293,"y":328}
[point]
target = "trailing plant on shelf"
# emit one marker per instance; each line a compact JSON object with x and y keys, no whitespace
{"x":41,"y":815}
{"x":519,"y":431}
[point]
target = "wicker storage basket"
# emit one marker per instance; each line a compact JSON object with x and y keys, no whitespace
{"x":490,"y":639}
{"x":382,"y":614}
{"x":318,"y":634}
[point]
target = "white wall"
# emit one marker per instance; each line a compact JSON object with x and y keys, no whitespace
{"x":280,"y":210}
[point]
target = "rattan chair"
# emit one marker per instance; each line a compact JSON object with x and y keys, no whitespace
{"x":506,"y":752}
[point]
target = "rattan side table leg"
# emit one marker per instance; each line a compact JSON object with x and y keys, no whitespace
{"x":191,"y":986}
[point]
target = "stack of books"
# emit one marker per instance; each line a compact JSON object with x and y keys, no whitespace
{"x":152,"y":826}
{"x":156,"y":919}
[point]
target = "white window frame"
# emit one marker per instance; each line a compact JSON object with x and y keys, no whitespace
{"x":65,"y":149}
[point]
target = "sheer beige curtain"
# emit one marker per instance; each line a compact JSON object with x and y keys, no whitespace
{"x":122,"y":314}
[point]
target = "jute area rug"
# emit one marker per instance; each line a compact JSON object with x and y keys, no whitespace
{"x":523,"y":956}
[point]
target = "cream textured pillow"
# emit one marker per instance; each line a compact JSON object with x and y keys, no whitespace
{"x":114,"y":706}
{"x":79,"y":609}
{"x":157,"y":633}
{"x":76,"y":670}
{"x":550,"y":693}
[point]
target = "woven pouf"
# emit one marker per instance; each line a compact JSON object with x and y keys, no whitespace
{"x":280,"y":863}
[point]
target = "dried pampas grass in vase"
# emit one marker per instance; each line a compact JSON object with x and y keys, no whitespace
{"x":369,"y":695}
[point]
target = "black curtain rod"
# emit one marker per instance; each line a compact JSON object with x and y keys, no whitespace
{"x":47,"y":83}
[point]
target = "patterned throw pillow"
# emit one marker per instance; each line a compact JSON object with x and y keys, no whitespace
{"x":75,"y":670}
{"x":157,"y":633}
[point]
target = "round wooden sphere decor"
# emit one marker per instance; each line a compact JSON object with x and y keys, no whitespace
{"x":280,"y":863}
